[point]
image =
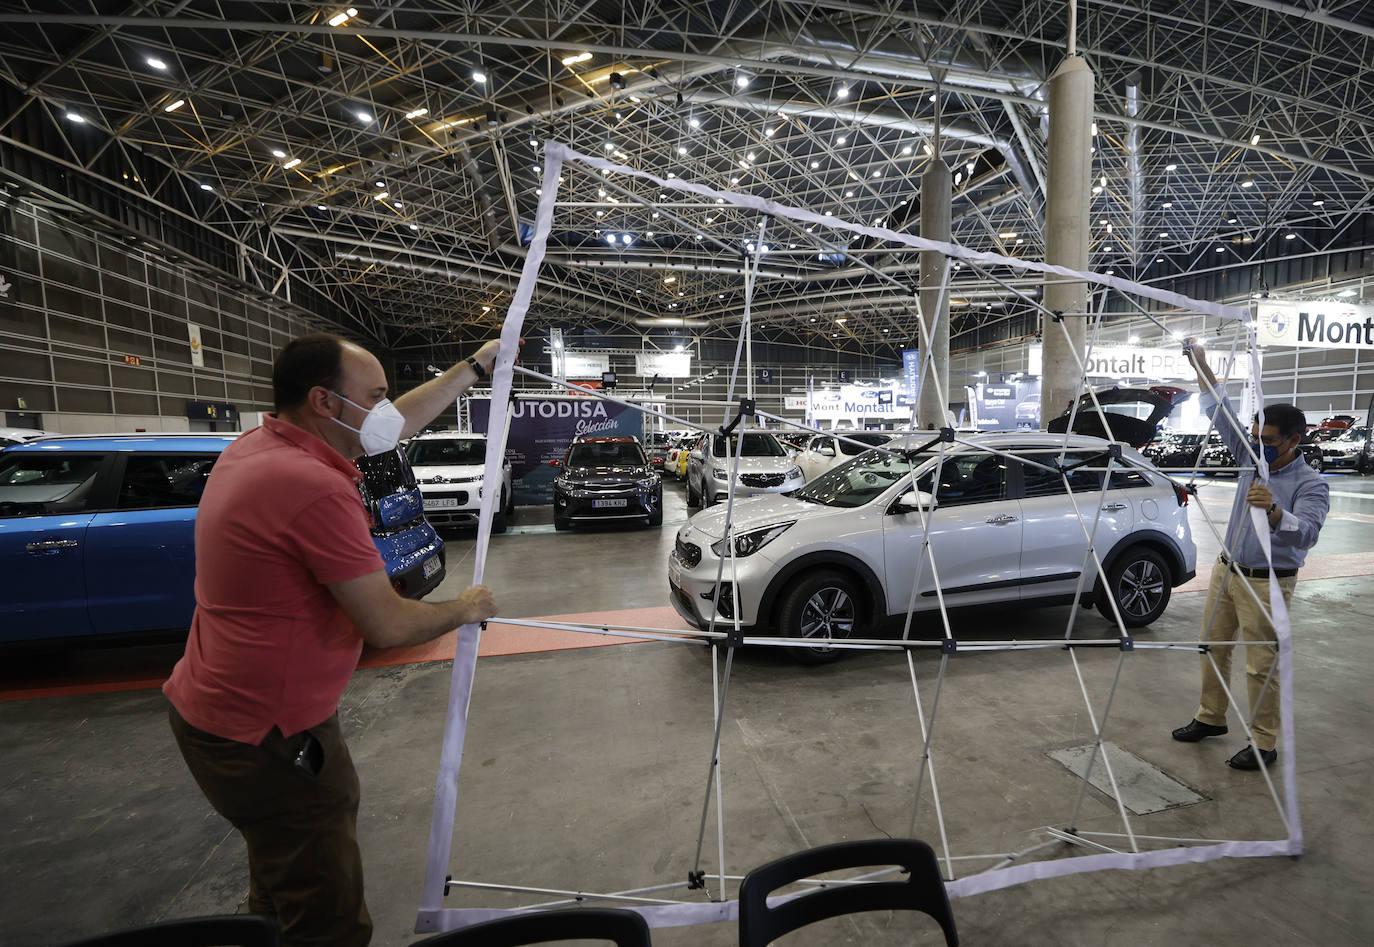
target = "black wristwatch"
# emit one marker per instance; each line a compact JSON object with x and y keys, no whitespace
{"x":1272,"y":508}
{"x":476,"y":367}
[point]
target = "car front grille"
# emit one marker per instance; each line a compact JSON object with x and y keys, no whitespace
{"x":762,"y":479}
{"x":689,"y":554}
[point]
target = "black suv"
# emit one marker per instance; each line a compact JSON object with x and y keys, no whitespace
{"x":606,"y":479}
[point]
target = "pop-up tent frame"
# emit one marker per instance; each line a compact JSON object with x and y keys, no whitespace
{"x":695,"y":903}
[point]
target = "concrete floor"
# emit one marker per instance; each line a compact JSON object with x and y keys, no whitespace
{"x":586,"y":768}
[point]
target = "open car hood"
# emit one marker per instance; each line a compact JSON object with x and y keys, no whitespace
{"x":1131,"y":414}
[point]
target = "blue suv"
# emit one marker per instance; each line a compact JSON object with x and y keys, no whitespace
{"x":97,"y":532}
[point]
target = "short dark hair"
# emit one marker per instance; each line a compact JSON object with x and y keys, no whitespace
{"x":1286,"y":417}
{"x":305,"y":363}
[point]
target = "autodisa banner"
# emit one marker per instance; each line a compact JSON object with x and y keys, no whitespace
{"x":1321,"y":325}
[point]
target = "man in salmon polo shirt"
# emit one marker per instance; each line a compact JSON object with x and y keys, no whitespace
{"x":289,"y":586}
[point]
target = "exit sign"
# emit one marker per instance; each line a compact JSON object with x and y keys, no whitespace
{"x":132,"y":360}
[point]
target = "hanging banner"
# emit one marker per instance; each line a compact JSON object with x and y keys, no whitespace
{"x":197,"y":356}
{"x":541,"y":430}
{"x":1318,"y":325}
{"x":663,"y":364}
{"x":585,"y":365}
{"x":911,"y":376}
{"x":853,"y":402}
{"x":1163,"y":364}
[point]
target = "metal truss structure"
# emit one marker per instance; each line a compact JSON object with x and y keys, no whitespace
{"x":701,"y":895}
{"x":388,"y":156}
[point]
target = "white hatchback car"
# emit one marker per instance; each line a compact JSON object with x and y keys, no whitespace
{"x":450,"y":467}
{"x":764,"y":467}
{"x":840,"y":556}
{"x":823,"y":451}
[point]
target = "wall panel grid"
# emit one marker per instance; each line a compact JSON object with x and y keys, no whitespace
{"x":74,"y":302}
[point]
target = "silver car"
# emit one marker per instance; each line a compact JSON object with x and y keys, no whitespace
{"x":764,"y":467}
{"x":840,"y":556}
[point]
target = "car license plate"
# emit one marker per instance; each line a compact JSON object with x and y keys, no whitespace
{"x":604,"y":504}
{"x":431,"y":566}
{"x":441,"y":503}
{"x":1214,"y":461}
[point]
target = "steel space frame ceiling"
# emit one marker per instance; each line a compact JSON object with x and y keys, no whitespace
{"x":1228,"y":131}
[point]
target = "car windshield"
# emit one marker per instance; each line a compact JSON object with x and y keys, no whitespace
{"x":868,"y":438}
{"x":1354,"y":434}
{"x":860,"y":480}
{"x":755,"y":445}
{"x":606,"y":454}
{"x":447,"y":452}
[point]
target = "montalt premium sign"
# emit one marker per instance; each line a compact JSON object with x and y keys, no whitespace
{"x":1319,"y":325}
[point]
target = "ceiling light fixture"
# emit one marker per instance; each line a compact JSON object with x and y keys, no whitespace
{"x":342,"y":17}
{"x":382,"y":196}
{"x":479,"y":77}
{"x":174,"y":106}
{"x":1290,"y":236}
{"x":1171,"y":167}
{"x":416,"y":113}
{"x":842,"y":92}
{"x":1255,"y":138}
{"x":75,"y":117}
{"x":291,"y":164}
{"x":364,"y":117}
{"x":742,"y":80}
{"x":207,"y":187}
{"x":156,"y":63}
{"x":1318,"y":203}
{"x":576,"y":58}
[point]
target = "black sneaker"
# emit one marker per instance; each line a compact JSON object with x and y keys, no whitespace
{"x":1245,"y":759}
{"x":1196,"y":730}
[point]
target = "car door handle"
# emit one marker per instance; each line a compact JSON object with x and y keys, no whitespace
{"x":1001,"y":519}
{"x":1114,"y":507}
{"x":52,"y":545}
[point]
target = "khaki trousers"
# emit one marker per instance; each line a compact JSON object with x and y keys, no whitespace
{"x":304,"y":867}
{"x":1237,"y":611}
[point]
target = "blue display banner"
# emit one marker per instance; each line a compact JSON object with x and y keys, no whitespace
{"x":911,"y":374}
{"x":542,"y":428}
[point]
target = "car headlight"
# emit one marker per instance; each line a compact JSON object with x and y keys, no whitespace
{"x":648,"y":483}
{"x":793,"y":473}
{"x":750,"y":542}
{"x":720,"y":473}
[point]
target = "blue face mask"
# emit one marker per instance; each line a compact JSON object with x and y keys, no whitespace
{"x":1269,"y":451}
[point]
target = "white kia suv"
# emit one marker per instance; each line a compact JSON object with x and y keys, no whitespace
{"x":450,"y":468}
{"x":840,"y":556}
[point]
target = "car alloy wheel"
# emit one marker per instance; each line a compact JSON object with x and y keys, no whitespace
{"x":822,"y":604}
{"x":1141,"y":583}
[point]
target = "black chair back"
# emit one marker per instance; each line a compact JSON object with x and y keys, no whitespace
{"x":623,"y":928}
{"x":229,"y":930}
{"x":922,"y":890}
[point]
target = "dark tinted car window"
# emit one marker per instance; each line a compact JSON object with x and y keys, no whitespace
{"x":755,"y":445}
{"x":33,"y":484}
{"x":441,"y":453}
{"x":606,"y":454}
{"x":385,"y":474}
{"x":1040,"y":483}
{"x":870,"y":440}
{"x":164,"y":480}
{"x":967,"y":478}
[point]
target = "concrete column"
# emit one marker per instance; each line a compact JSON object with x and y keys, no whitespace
{"x":933,"y":400}
{"x":1067,"y":230}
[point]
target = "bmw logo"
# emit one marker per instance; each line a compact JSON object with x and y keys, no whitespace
{"x":1278,"y":323}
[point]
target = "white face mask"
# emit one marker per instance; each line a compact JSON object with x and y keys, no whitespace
{"x":381,"y":428}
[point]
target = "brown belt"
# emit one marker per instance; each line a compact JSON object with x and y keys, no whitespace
{"x":1262,"y":573}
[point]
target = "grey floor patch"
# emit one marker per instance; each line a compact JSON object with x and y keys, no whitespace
{"x":1144,"y":787}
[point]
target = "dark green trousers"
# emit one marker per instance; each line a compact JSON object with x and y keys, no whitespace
{"x":299,"y":819}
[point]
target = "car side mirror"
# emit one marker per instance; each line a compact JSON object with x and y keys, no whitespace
{"x":826,"y":451}
{"x":914,"y":500}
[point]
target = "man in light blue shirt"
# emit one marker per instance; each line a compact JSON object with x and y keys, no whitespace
{"x":1295,"y":501}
